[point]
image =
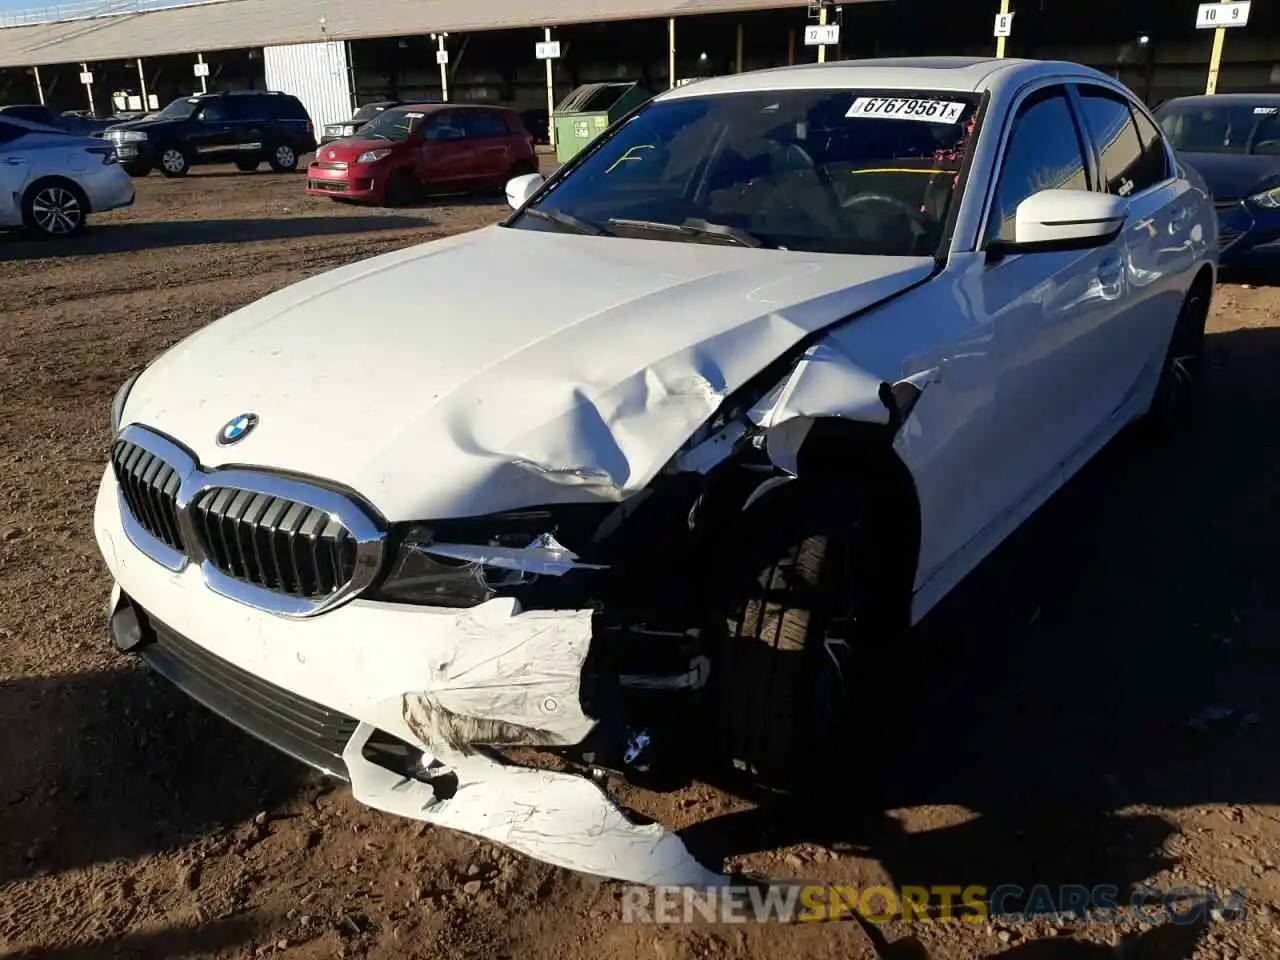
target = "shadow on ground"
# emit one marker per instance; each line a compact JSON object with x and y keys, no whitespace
{"x":1053,"y":693}
{"x":135,"y":768}
{"x":207,"y":938}
{"x":135,"y":236}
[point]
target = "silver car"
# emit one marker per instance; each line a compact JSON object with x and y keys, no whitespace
{"x":50,"y":181}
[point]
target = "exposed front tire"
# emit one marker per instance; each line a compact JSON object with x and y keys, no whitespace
{"x":54,"y":208}
{"x":247,"y":166}
{"x":283,"y":158}
{"x":1181,"y":374}
{"x":174,"y":161}
{"x":786,"y":611}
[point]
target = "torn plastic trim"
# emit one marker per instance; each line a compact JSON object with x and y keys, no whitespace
{"x":561,"y":819}
{"x":545,"y":556}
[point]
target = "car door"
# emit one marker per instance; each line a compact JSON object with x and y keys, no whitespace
{"x":15,"y":170}
{"x":1050,"y":312}
{"x":446,"y":152}
{"x":487,"y":136}
{"x":209,"y":134}
{"x":1157,"y":246}
{"x":249,"y":126}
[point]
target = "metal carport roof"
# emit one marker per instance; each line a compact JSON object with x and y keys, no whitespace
{"x":234,"y":24}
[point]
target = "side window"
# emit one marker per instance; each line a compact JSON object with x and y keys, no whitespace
{"x":10,"y":131}
{"x":1155,"y":153}
{"x":1115,"y":136}
{"x":1043,"y":153}
{"x":212,"y":112}
{"x":444,"y":125}
{"x":483,"y":124}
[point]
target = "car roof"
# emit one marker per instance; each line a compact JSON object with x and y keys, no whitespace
{"x":951,"y":74}
{"x":436,"y":107}
{"x":24,"y":106}
{"x":1226,"y":100}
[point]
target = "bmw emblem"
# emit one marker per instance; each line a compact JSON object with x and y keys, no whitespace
{"x":332,"y":154}
{"x":237,"y":429}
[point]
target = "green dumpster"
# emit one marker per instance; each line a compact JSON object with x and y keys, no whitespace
{"x":587,"y":112}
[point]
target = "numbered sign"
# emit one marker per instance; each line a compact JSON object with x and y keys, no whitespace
{"x":820,"y":36}
{"x":201,"y":69}
{"x":1004,"y":25}
{"x":442,"y":57}
{"x":548,"y":51}
{"x":1211,"y":16}
{"x":87,"y":78}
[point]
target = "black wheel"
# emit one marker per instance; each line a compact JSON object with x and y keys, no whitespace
{"x":402,"y":189}
{"x":136,"y":169}
{"x":54,"y":208}
{"x":283,"y":158}
{"x":174,"y":161}
{"x":789,"y":603}
{"x":247,"y":166}
{"x":1180,"y":376}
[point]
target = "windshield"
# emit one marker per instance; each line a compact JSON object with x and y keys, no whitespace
{"x":1233,"y":128}
{"x":180,"y":109}
{"x":396,"y":125}
{"x":815,"y":170}
{"x":367,"y":112}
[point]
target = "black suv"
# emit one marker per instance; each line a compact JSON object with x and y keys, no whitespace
{"x":244,"y":127}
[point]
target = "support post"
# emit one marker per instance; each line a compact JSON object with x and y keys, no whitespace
{"x":671,"y":52}
{"x":88,"y":88}
{"x":39,"y":85}
{"x":142,"y":82}
{"x":822,"y":22}
{"x":742,"y":43}
{"x":204,"y":81}
{"x":444,"y":71}
{"x":1215,"y":59}
{"x":551,"y":95}
{"x":1000,"y":41}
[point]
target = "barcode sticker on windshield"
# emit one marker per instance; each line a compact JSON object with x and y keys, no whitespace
{"x":906,"y":108}
{"x":415,"y":116}
{"x":1266,"y":111}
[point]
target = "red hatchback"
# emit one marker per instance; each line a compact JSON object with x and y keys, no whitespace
{"x":414,"y":150}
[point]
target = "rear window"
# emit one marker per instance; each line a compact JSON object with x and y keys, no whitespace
{"x":289,"y":108}
{"x":484,"y":123}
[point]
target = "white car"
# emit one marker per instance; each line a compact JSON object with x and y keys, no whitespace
{"x":630,"y":484}
{"x":51,"y":181}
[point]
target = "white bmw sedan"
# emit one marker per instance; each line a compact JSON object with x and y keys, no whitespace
{"x":627,"y":486}
{"x":50,"y":181}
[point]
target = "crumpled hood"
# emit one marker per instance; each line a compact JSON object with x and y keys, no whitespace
{"x":424,"y":377}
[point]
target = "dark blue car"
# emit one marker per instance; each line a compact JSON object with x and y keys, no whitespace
{"x":1233,"y":140}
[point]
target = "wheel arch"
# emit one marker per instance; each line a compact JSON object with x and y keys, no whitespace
{"x":50,"y":179}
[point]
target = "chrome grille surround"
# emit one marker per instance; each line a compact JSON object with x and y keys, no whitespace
{"x":359,"y":522}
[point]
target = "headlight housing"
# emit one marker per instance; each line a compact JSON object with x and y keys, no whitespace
{"x":132,"y":136}
{"x":372,"y":156}
{"x":117,"y":405}
{"x":464,"y":563}
{"x":1270,"y":199}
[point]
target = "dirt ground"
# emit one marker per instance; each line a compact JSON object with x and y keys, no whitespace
{"x":1095,"y":706}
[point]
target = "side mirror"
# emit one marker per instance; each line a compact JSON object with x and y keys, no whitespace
{"x":1063,"y":220}
{"x":521,"y":189}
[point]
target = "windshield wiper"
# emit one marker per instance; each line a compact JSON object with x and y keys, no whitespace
{"x":565,"y":220}
{"x":693,"y":227}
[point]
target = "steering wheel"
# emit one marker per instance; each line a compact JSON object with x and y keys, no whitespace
{"x":899,"y":206}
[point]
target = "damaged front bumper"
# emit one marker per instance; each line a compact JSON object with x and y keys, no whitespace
{"x":391,"y":697}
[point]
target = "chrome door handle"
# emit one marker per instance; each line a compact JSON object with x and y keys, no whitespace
{"x":13,"y":161}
